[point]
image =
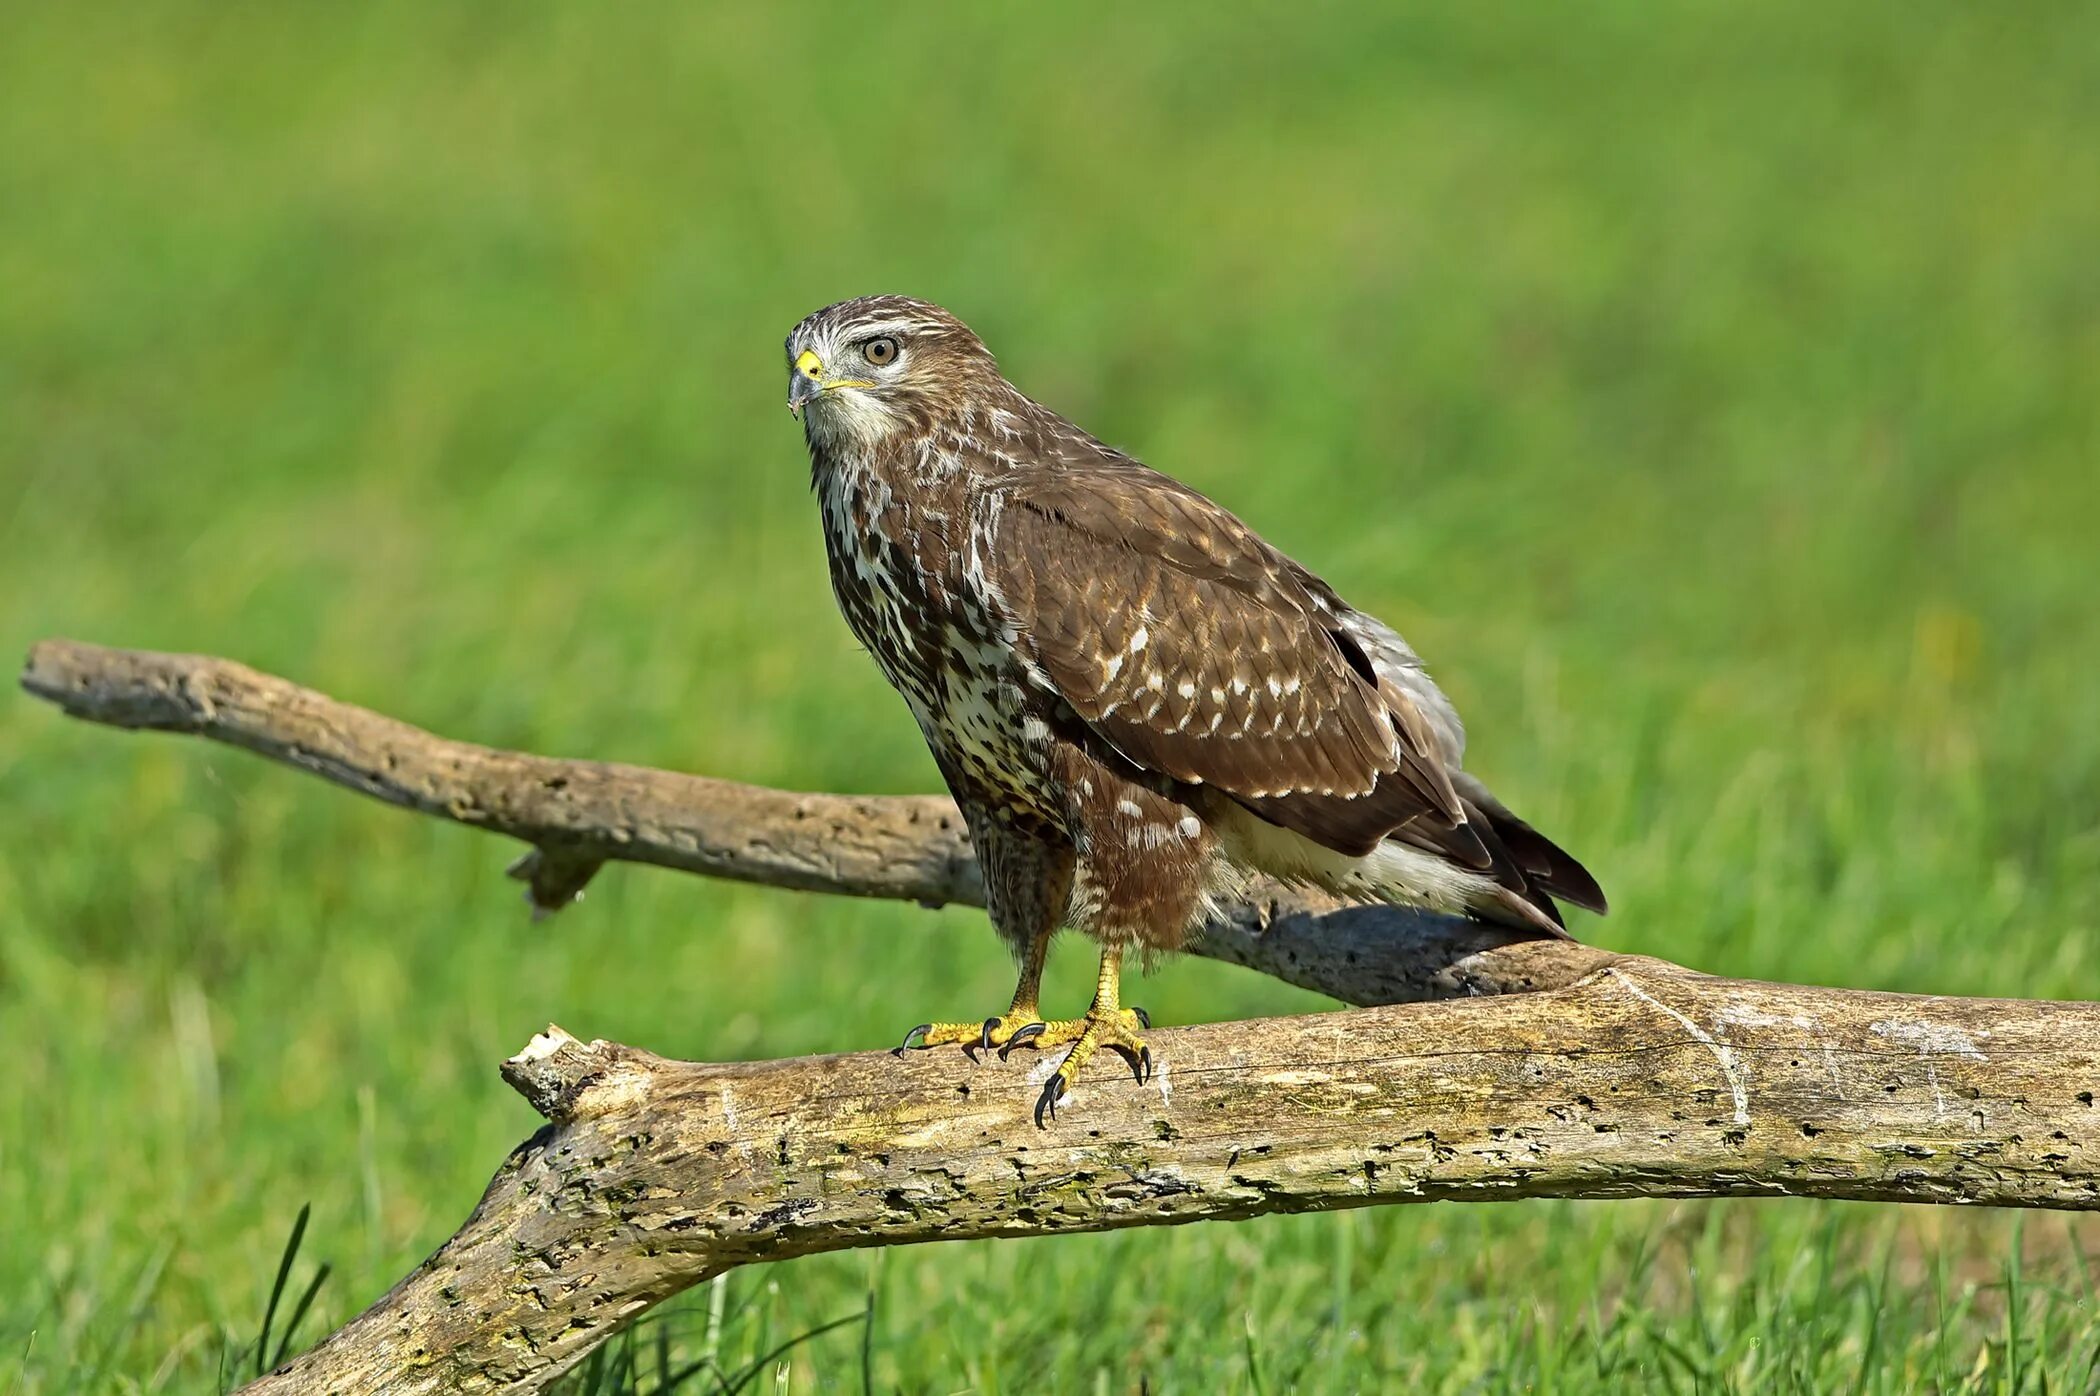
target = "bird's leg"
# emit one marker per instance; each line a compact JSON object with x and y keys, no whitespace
{"x":1003,"y":1031}
{"x":1106,"y":1024}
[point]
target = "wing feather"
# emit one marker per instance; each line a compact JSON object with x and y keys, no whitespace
{"x":1201,"y":653}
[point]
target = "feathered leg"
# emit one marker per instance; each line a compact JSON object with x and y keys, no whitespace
{"x":1028,"y":888}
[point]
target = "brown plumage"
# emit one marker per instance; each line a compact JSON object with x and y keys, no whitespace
{"x":1133,"y":697}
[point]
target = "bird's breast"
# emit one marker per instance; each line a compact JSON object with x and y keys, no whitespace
{"x":898,"y":565}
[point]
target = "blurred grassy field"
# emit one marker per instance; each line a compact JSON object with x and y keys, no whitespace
{"x":1711,"y":393}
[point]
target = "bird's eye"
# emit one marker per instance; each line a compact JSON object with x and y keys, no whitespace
{"x":880,"y":350}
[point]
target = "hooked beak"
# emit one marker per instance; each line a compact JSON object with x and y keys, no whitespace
{"x":805,"y":380}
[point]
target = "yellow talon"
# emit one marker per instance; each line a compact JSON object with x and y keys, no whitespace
{"x":998,"y":1033}
{"x":1120,"y":1027}
{"x":1106,"y":1025}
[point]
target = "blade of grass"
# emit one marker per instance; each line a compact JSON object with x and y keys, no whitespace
{"x":1876,"y":1298}
{"x":1253,"y":1349}
{"x":142,"y":1292}
{"x":284,"y":1273}
{"x":751,"y":1372}
{"x":867,"y":1347}
{"x":306,"y":1301}
{"x":1941,"y":1379}
{"x":2013,"y":1379}
{"x":28,"y":1349}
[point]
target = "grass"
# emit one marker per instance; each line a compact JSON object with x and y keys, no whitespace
{"x":1712,"y":393}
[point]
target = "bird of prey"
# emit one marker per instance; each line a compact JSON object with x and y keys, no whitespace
{"x":1134,"y":699}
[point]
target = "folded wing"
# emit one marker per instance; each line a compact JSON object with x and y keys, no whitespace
{"x":1199,"y":652}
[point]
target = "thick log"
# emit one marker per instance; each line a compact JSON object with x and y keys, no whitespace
{"x":579,"y":815}
{"x":1561,"y":1071}
{"x":1640,"y":1079}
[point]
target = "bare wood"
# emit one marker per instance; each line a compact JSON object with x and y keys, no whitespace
{"x":579,"y":815}
{"x":1641,"y":1079}
{"x":1617,"y":1077}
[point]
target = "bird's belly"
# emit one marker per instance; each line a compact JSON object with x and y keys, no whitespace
{"x":965,"y":690}
{"x":985,"y":731}
{"x":892,"y":618}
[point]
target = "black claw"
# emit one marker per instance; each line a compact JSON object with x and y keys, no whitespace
{"x":984,"y":1038}
{"x":1139,"y":1061}
{"x":1144,"y":1018}
{"x":1027,"y":1034}
{"x":899,"y":1049}
{"x":1046,"y":1103}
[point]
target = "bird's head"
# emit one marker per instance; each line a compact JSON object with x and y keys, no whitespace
{"x":864,"y":370}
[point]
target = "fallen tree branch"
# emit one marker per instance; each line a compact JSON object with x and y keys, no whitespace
{"x":1612,"y":1077}
{"x":579,"y":815}
{"x":1640,"y":1079}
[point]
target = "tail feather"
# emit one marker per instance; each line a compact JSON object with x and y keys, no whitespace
{"x":1544,"y":869}
{"x":1531,"y":909}
{"x":1552,"y":869}
{"x":1506,"y":871}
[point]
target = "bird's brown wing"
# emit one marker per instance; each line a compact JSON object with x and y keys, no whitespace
{"x":1199,"y":652}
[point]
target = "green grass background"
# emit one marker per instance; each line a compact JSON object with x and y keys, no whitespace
{"x":1712,"y":393}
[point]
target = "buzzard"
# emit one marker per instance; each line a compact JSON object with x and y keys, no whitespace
{"x":1135,"y":700}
